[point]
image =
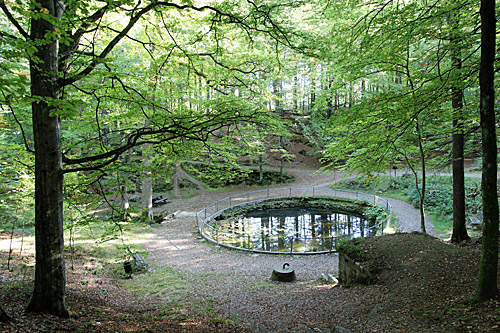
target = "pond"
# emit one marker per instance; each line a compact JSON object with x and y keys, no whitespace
{"x":291,"y":229}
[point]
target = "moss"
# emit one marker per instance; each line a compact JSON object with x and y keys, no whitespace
{"x":349,"y":206}
{"x":349,"y":247}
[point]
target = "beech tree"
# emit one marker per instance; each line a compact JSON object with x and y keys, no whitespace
{"x":416,"y":58}
{"x":488,"y":272}
{"x":69,"y":47}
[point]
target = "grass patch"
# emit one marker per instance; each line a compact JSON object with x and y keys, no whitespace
{"x":442,"y":225}
{"x":110,"y":243}
{"x":162,"y":282}
{"x":388,"y":186}
{"x":183,"y":291}
{"x":189,"y":293}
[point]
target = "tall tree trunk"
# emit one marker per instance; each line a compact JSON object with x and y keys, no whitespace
{"x":418,"y":129}
{"x":459,"y":230}
{"x":424,"y":177}
{"x":147,"y":182}
{"x":487,"y":285}
{"x":312,"y":95}
{"x":50,"y":279}
{"x":295,"y":93}
{"x":147,"y":189}
{"x":124,"y":190}
{"x":261,"y":168}
{"x":459,"y":233}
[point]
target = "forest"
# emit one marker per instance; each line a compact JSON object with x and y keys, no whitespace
{"x":106,"y":104}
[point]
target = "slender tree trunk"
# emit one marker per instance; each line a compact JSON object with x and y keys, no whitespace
{"x":459,"y":230}
{"x":329,"y":99}
{"x":175,"y":180}
{"x":124,"y":191}
{"x":147,"y":182}
{"x":424,"y":178}
{"x":487,"y":284}
{"x":418,"y":130}
{"x":312,"y":100}
{"x":49,"y":289}
{"x":147,"y":191}
{"x":261,"y":168}
{"x":295,"y":94}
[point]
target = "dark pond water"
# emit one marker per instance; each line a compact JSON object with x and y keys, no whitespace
{"x":292,"y":229}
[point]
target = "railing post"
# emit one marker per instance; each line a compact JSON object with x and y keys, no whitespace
{"x":217,"y":236}
{"x":229,"y":202}
{"x":217,"y":206}
{"x":291,"y":245}
{"x":313,"y":191}
{"x":248,"y":246}
{"x":290,"y":192}
{"x":205,"y":213}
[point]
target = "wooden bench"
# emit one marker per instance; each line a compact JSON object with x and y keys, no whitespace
{"x":140,"y":263}
{"x":477,"y":221}
{"x":474,"y":220}
{"x":158,"y":199}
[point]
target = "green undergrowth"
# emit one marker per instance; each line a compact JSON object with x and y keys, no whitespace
{"x":111,"y":244}
{"x":350,"y":247}
{"x":438,"y":196}
{"x":162,"y":282}
{"x":220,"y":176}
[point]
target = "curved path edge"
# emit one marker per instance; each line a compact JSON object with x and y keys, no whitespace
{"x":177,"y":244}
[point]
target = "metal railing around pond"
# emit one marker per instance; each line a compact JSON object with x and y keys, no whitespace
{"x":243,"y":242}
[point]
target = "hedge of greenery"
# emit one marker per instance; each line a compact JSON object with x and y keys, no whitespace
{"x":218,"y":176}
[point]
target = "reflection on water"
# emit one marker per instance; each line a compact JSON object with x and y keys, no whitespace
{"x":293,"y":229}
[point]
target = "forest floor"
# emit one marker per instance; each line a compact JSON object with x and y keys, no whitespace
{"x":422,"y":285}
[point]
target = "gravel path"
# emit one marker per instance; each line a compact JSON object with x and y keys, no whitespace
{"x":240,"y":282}
{"x":176,"y":244}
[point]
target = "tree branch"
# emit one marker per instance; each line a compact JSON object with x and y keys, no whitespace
{"x":25,"y":140}
{"x":232,"y":19}
{"x":12,"y":20}
{"x":194,"y":131}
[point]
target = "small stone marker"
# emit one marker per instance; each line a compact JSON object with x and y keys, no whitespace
{"x":283,"y":274}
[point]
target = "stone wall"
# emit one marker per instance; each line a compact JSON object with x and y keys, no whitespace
{"x":351,"y":272}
